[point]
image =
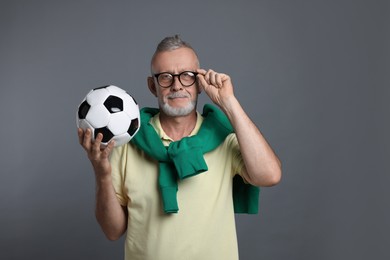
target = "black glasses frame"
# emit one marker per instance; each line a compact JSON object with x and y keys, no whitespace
{"x":173,"y":78}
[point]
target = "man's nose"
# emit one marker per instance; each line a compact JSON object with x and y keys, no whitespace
{"x":176,"y":84}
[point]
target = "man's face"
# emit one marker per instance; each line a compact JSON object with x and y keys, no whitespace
{"x":176,"y":100}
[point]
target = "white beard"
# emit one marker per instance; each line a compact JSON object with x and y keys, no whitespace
{"x":177,"y":111}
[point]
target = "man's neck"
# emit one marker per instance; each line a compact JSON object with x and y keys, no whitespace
{"x":179,"y":126}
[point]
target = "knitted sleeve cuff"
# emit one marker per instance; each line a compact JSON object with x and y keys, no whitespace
{"x":169,"y":199}
{"x":189,"y":163}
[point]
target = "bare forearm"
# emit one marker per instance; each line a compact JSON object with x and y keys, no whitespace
{"x":263,"y":168}
{"x":110,"y":214}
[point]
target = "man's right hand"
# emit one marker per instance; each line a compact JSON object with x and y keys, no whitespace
{"x":97,"y":154}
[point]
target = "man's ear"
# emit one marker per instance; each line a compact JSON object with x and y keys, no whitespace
{"x":198,"y":87}
{"x":152,"y":86}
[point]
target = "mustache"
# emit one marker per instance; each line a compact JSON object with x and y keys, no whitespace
{"x":178,"y":95}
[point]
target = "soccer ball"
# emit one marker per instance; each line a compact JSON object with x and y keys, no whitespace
{"x":111,"y":111}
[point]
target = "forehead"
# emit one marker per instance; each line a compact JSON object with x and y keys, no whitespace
{"x":175,"y":60}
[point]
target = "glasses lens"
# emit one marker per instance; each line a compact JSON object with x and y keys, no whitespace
{"x":165,"y":79}
{"x":187,"y":78}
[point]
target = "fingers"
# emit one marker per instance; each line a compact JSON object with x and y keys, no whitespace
{"x":80,"y":133}
{"x":202,"y":82}
{"x":214,"y":78}
{"x":94,"y":146}
{"x":211,"y":77}
{"x":201,"y":71}
{"x":84,"y":138}
{"x":107,"y":150}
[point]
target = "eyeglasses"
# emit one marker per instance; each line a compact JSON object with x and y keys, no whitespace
{"x":166,"y":79}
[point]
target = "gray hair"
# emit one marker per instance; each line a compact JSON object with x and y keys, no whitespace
{"x":170,"y":43}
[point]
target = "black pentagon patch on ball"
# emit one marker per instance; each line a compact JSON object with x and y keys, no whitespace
{"x":107,"y":135}
{"x":114,"y":104}
{"x":83,"y":109}
{"x":133,"y":126}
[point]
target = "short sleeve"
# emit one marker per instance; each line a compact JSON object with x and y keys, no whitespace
{"x":118,"y":172}
{"x":237,"y":161}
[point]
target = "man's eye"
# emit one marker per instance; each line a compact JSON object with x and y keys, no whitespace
{"x":165,"y":77}
{"x":187,"y":75}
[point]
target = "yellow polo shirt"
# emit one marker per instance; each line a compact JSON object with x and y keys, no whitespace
{"x":204,"y":227}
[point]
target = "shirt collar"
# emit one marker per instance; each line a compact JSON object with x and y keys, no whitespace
{"x":155,"y":122}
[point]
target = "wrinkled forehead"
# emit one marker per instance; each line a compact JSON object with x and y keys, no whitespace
{"x":174,"y":60}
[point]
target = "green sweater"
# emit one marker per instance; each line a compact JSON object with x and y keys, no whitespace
{"x":174,"y":163}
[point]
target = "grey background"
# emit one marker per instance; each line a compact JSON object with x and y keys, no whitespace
{"x":313,"y":75}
